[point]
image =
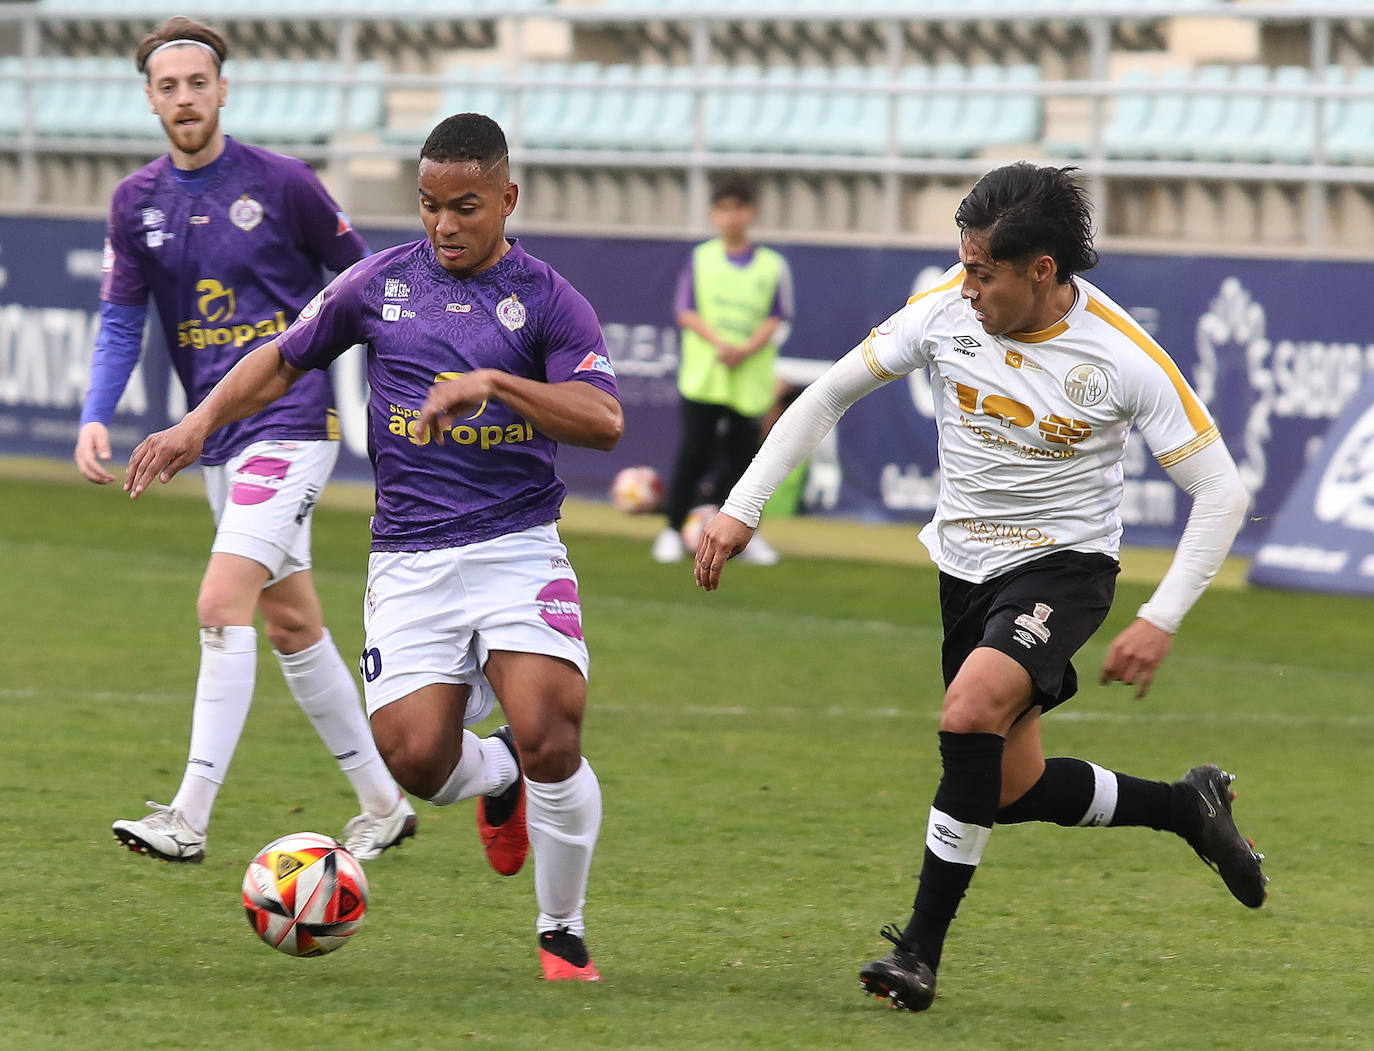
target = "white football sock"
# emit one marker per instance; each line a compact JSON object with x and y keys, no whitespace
{"x":486,"y":767}
{"x":325,"y":690}
{"x":563,"y":820}
{"x":224,"y":692}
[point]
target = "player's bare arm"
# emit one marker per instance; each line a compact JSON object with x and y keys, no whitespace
{"x":571,"y":413}
{"x":92,"y":451}
{"x":258,"y":380}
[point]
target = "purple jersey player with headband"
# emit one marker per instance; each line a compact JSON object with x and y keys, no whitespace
{"x":231,"y":241}
{"x":481,"y":359}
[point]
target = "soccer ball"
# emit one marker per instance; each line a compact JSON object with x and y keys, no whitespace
{"x":695,"y":524}
{"x":637,"y":490}
{"x":305,"y":895}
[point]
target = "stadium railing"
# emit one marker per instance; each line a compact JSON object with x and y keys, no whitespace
{"x":694,"y":110}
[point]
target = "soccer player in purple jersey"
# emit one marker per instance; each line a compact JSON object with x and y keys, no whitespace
{"x":231,"y":241}
{"x":481,"y":359}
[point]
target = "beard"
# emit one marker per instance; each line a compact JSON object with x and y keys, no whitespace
{"x":191,"y":139}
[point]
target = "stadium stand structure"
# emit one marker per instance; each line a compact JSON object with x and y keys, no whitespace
{"x":1197,"y":120}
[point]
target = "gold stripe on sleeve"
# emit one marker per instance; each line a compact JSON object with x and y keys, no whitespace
{"x":871,"y":360}
{"x":1197,"y":415}
{"x":1182,"y":453}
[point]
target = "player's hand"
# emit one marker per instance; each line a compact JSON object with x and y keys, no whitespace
{"x":466,"y":397}
{"x":162,"y":455}
{"x":1134,"y":655}
{"x":92,"y":449}
{"x":723,"y":538}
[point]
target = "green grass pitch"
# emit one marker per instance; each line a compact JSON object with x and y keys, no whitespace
{"x":767,"y":755}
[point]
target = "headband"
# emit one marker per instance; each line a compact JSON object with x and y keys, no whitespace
{"x":178,"y":43}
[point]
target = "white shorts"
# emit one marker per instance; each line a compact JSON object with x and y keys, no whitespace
{"x":435,"y":616}
{"x":263,"y":499}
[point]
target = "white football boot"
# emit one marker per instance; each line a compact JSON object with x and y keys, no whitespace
{"x":164,"y":834}
{"x":367,"y":835}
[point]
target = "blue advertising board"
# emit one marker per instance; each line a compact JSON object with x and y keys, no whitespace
{"x":1323,"y":537}
{"x":1276,"y":348}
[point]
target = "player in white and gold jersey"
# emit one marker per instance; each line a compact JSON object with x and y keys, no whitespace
{"x":1038,"y":379}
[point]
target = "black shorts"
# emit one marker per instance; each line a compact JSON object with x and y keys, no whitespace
{"x":1039,"y":614}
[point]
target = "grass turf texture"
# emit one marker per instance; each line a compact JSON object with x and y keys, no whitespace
{"x":767,"y":755}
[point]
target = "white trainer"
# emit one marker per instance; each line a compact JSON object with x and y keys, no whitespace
{"x":668,"y":546}
{"x":367,"y":835}
{"x":165,"y":834}
{"x":758,"y":552}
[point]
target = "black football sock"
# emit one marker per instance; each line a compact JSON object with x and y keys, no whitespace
{"x":1073,"y":792}
{"x":961,"y":819}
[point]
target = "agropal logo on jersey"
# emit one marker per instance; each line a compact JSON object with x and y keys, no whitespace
{"x":218,"y":305}
{"x":405,"y":423}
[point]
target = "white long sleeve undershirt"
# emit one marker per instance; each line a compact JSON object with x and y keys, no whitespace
{"x":1209,"y":476}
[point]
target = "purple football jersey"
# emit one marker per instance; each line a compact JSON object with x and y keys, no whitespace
{"x":495,"y":472}
{"x":230,"y":267}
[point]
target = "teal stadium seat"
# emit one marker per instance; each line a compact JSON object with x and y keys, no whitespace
{"x":1239,"y":121}
{"x":773,"y":116}
{"x":611,"y":103}
{"x":1204,"y":117}
{"x":938,"y":132}
{"x":579,"y":102}
{"x":12,"y":96}
{"x":1351,"y":140}
{"x":647,"y":97}
{"x":672,"y":127}
{"x":855,"y":122}
{"x":543,"y":102}
{"x":731,"y":110}
{"x":1285,"y":132}
{"x":1163,"y":120}
{"x":802,"y":133}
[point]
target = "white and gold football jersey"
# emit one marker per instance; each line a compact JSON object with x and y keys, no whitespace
{"x":1033,"y":425}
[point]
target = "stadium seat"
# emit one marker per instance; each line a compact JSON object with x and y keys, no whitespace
{"x":647,"y":99}
{"x":855,"y":122}
{"x":937,"y":131}
{"x":674,"y":115}
{"x":12,"y":103}
{"x":1285,"y":131}
{"x":731,"y":110}
{"x":603,"y":128}
{"x":1164,"y":117}
{"x":1204,"y":117}
{"x":803,"y":131}
{"x":772,"y":118}
{"x":1237,"y":121}
{"x":1351,"y":138}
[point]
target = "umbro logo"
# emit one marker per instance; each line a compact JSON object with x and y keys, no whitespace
{"x":947,"y":832}
{"x":965,"y":344}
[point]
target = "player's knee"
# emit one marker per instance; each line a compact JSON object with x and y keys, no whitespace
{"x":218,"y":608}
{"x":967,"y":713}
{"x":291,"y":635}
{"x":417,"y":765}
{"x":554,"y":753}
